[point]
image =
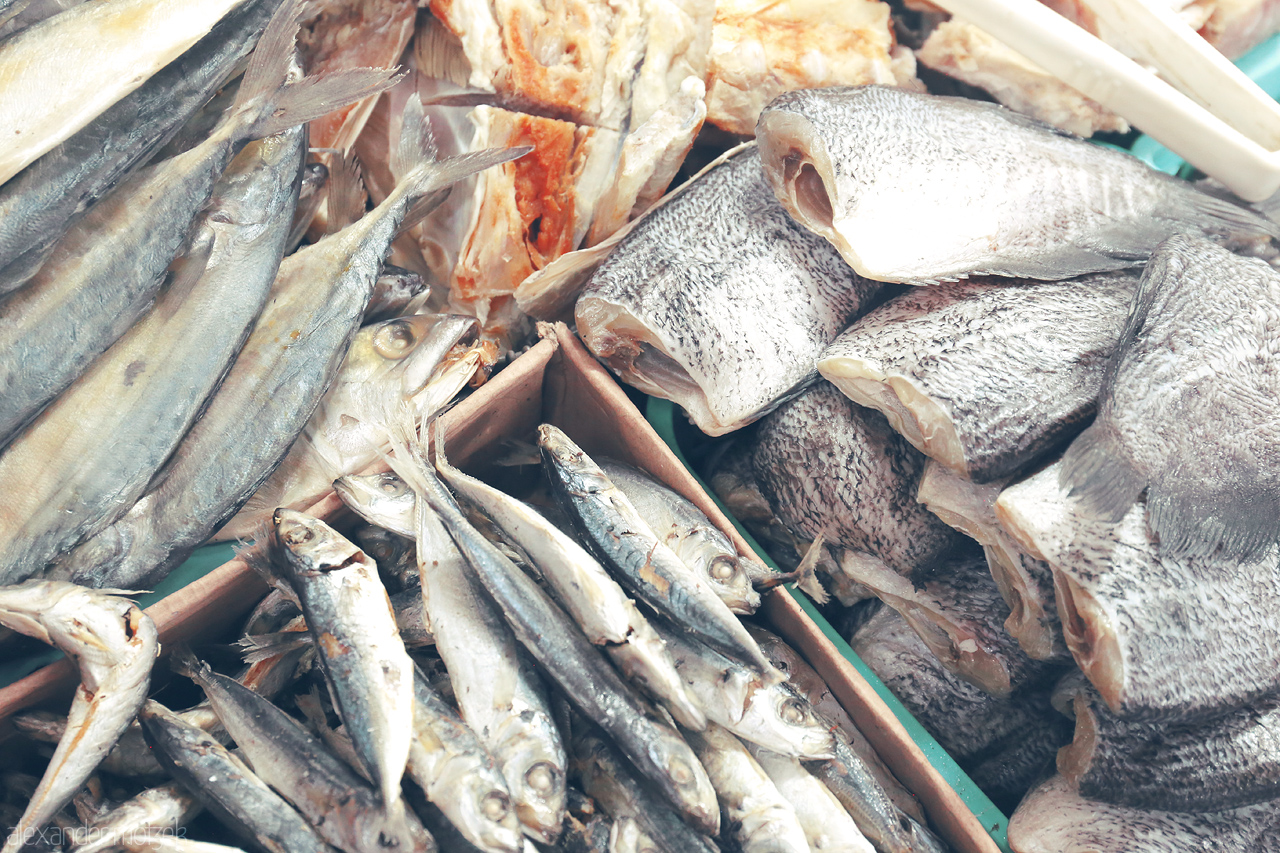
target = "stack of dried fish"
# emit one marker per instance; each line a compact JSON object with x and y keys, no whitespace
{"x":544,"y":705}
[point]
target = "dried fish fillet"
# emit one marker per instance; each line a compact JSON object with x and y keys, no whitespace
{"x":718,"y":301}
{"x":985,"y":377}
{"x":1160,"y":637}
{"x":861,"y":166}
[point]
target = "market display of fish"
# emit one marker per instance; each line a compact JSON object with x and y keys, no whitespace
{"x":762,"y":289}
{"x":856,"y":165}
{"x":248,"y":262}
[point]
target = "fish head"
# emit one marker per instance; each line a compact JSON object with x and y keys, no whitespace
{"x":311,"y":545}
{"x":730,"y":576}
{"x":569,"y":463}
{"x":536,"y":778}
{"x":484,"y":811}
{"x":382,"y":499}
{"x":687,"y":779}
{"x":798,"y":725}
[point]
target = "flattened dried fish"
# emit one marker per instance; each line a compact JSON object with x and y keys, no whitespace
{"x":1188,"y":411}
{"x":114,"y":644}
{"x":875,"y":169}
{"x":718,"y":301}
{"x":985,"y":377}
{"x":1161,"y":637}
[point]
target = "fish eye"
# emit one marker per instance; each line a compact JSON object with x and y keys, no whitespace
{"x":495,"y":806}
{"x":391,"y":485}
{"x":541,"y":777}
{"x":298,"y":535}
{"x":681,"y":772}
{"x":723,"y":568}
{"x":792,"y":712}
{"x":394,"y":340}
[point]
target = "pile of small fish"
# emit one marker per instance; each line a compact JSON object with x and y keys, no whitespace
{"x":1060,"y":471}
{"x":491,"y":654}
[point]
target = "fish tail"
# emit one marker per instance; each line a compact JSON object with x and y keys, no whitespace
{"x":184,"y":662}
{"x":346,"y":193}
{"x":256,"y":554}
{"x":1237,"y":521}
{"x":278,"y":102}
{"x":259,"y":647}
{"x":1095,"y":470}
{"x":804,"y":576}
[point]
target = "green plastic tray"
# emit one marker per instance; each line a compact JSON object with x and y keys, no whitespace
{"x":662,"y":416}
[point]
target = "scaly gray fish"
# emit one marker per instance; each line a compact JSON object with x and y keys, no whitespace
{"x":598,"y":605}
{"x":1187,"y":412}
{"x":159,"y":373}
{"x":1052,"y":819}
{"x":718,"y":301}
{"x":568,"y":657}
{"x":114,"y":644}
{"x":40,"y":203}
{"x":636,"y":556}
{"x":832,"y":468}
{"x":360,"y":651}
{"x":921,"y":188}
{"x":1162,"y":637}
{"x":1025,"y":583}
{"x":688,"y":532}
{"x":345,"y":810}
{"x":1223,"y":763}
{"x":499,"y":696}
{"x":985,"y":377}
{"x":108,"y":268}
{"x":226,"y":786}
{"x":763,"y":820}
{"x":826,"y":825}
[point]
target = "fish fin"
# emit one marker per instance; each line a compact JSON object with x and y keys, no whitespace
{"x":416,"y":144}
{"x":804,"y":576}
{"x":1235,"y":219}
{"x":257,"y":556}
{"x":1097,"y":472}
{"x":279,"y":103}
{"x":260,"y":647}
{"x":183,"y":661}
{"x":423,"y":208}
{"x":1236,"y":520}
{"x":346,"y":194}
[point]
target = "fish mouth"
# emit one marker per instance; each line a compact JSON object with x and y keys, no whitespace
{"x":636,"y":353}
{"x":1086,"y":627}
{"x":910,"y":411}
{"x":961,"y":654}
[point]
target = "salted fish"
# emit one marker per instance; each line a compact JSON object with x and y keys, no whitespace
{"x":1025,"y":583}
{"x":720,"y":268}
{"x":38,"y":204}
{"x":966,"y":721}
{"x":1188,"y":408}
{"x":985,"y":377}
{"x":148,"y":389}
{"x":762,"y":48}
{"x":826,"y":825}
{"x":1052,"y":819}
{"x":115,"y":645}
{"x":959,"y":613}
{"x":107,"y":269}
{"x":830,"y":468}
{"x":163,"y":808}
{"x":858,"y":165}
{"x":1222,"y":763}
{"x":1162,"y":637}
{"x":126,"y":41}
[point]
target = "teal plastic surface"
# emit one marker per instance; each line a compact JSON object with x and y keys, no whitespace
{"x":661,"y":415}
{"x":1262,"y":64}
{"x":203,"y":561}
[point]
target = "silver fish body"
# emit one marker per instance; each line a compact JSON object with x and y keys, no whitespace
{"x":164,"y":808}
{"x":114,"y":645}
{"x":688,"y":532}
{"x":832,"y":468}
{"x":1162,"y":637}
{"x":826,"y":825}
{"x":364,"y":660}
{"x":718,"y":301}
{"x":852,"y":784}
{"x":1188,"y":411}
{"x":159,"y":373}
{"x":226,"y":785}
{"x":985,"y":377}
{"x":920,"y":188}
{"x":596,"y":602}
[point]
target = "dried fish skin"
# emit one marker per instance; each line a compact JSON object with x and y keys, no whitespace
{"x":719,"y":268}
{"x":859,"y":166}
{"x":985,"y":377}
{"x":1052,"y":819}
{"x":1187,"y":411}
{"x":359,"y":648}
{"x":831,"y":468}
{"x":114,"y":645}
{"x":760,"y":49}
{"x":38,"y":204}
{"x":1025,"y":583}
{"x":1160,"y":637}
{"x":1222,"y":763}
